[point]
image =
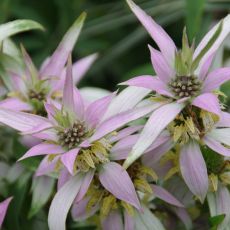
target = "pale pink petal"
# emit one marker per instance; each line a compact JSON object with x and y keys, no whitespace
{"x":68,"y":159}
{"x":150,"y":158}
{"x":149,"y":82}
{"x":21,"y":121}
{"x":164,"y":195}
{"x":224,"y":33}
{"x":79,"y":107}
{"x":15,"y":104}
{"x":222,"y":205}
{"x":68,"y":98}
{"x":126,"y":100}
{"x":43,"y":149}
{"x":193,"y":169}
{"x":125,"y":132}
{"x":224,"y":120}
{"x":161,"y":67}
{"x":208,"y":102}
{"x":216,"y":146}
{"x":117,"y":181}
{"x":48,"y":134}
{"x":121,"y":119}
{"x":79,"y":210}
{"x":122,"y":148}
{"x":215,"y":79}
{"x":157,"y":122}
{"x":3,"y":208}
{"x":82,"y":66}
{"x":58,"y":60}
{"x":221,"y":135}
{"x":113,"y":221}
{"x":96,"y":110}
{"x":29,"y":141}
{"x":62,"y":202}
{"x":128,"y":221}
{"x":205,"y":67}
{"x":162,"y":39}
{"x":63,"y":177}
{"x":85,"y":185}
{"x":184,"y":217}
{"x":46,"y":166}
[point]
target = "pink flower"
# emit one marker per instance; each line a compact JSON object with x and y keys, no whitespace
{"x":183,"y":77}
{"x":3,"y":208}
{"x":79,"y":137}
{"x":30,"y":88}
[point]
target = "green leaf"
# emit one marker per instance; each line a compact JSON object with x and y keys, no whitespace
{"x":194,"y":10}
{"x":42,"y":188}
{"x":215,"y":221}
{"x":17,"y":26}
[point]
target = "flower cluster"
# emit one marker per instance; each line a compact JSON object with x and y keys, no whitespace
{"x":106,"y":164}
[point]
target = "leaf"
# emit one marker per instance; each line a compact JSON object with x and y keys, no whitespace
{"x":216,"y":220}
{"x":194,"y":10}
{"x":17,"y":26}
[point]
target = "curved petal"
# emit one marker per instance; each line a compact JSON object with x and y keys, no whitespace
{"x":85,"y":185}
{"x":125,"y":100}
{"x":90,"y":94}
{"x":152,"y":157}
{"x":216,"y":78}
{"x":128,"y":221}
{"x":43,"y":149}
{"x":113,"y":221}
{"x":147,"y":220}
{"x":159,"y":119}
{"x":161,"y":67}
{"x":184,"y":217}
{"x":46,"y":166}
{"x":224,"y":33}
{"x":212,"y":106}
{"x":205,"y":67}
{"x":21,"y":121}
{"x":58,"y":60}
{"x":62,"y":202}
{"x":68,"y":100}
{"x":79,"y":210}
{"x":221,"y":135}
{"x":193,"y":169}
{"x":164,"y":195}
{"x":121,"y":119}
{"x":222,"y":205}
{"x":224,"y":120}
{"x":79,"y":107}
{"x":149,"y":82}
{"x":117,"y":181}
{"x":15,"y":104}
{"x":125,"y":132}
{"x":68,"y":159}
{"x":3,"y":208}
{"x":121,"y":149}
{"x":162,"y":39}
{"x":63,"y":177}
{"x":96,"y":110}
{"x":216,"y":146}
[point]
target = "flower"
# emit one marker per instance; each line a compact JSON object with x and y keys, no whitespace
{"x":182,"y":77}
{"x":30,"y":88}
{"x":76,"y":136}
{"x":3,"y":208}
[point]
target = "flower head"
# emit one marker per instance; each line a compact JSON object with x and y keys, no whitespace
{"x":30,"y":88}
{"x":183,"y":79}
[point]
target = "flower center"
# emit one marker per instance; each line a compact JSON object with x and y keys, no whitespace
{"x":40,"y":96}
{"x":185,"y":86}
{"x":73,"y":136}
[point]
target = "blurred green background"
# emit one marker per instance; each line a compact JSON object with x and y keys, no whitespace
{"x":111,"y":30}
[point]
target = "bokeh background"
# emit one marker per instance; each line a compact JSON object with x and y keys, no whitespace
{"x":111,"y":30}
